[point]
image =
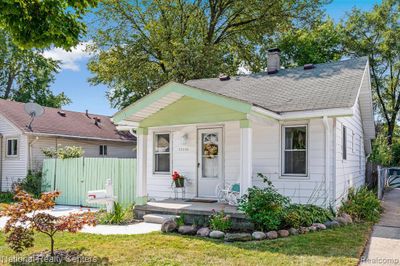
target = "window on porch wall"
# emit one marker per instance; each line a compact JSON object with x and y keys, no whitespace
{"x":295,"y":150}
{"x":162,"y":154}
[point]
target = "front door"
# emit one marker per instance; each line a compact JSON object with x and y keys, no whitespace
{"x":210,"y":156}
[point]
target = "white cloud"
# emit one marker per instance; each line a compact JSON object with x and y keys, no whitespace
{"x":69,"y":59}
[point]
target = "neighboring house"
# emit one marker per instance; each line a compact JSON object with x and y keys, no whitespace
{"x":308,"y":129}
{"x":21,"y":147}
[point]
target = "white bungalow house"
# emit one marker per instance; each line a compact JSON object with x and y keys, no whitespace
{"x":308,"y":129}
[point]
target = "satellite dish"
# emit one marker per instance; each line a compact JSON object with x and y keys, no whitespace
{"x":33,"y":110}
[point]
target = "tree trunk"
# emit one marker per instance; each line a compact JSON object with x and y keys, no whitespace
{"x":10,"y":81}
{"x":52,"y":246}
{"x":390,"y":132}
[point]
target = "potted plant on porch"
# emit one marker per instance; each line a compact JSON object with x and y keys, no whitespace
{"x":178,"y":180}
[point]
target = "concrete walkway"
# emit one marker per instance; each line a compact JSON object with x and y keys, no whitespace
{"x":384,"y":246}
{"x":132,"y":229}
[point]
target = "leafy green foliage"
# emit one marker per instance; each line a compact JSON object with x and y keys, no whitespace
{"x":362,"y":204}
{"x":265,"y":206}
{"x":297,"y":215}
{"x":120,"y":215}
{"x":376,"y":34}
{"x":6,"y":197}
{"x":219,"y":221}
{"x":66,"y":152}
{"x":180,"y":220}
{"x":319,"y":43}
{"x":39,"y":24}
{"x":141,"y":45}
{"x":26,"y":75}
{"x":32,"y":183}
{"x":381,"y":152}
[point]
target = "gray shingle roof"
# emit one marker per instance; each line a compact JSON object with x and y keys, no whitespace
{"x":329,"y":85}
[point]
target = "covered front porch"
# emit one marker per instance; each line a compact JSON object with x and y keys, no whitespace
{"x":206,"y":137}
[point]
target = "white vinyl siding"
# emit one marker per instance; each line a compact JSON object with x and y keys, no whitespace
{"x":13,"y":168}
{"x":266,"y":159}
{"x":267,"y":153}
{"x":350,"y":172}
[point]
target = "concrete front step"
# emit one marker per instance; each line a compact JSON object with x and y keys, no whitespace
{"x":157,"y":218}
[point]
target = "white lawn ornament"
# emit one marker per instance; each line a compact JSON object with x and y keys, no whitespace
{"x":104,"y":196}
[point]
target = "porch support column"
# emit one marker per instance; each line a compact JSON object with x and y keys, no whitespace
{"x":141,"y":154}
{"x":246,"y":156}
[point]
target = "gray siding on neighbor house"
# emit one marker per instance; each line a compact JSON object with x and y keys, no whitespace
{"x":12,"y":169}
{"x":91,"y":148}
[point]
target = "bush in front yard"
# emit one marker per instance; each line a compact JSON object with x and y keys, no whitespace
{"x":362,"y":204}
{"x":297,"y":215}
{"x":6,"y":197}
{"x":32,"y":183}
{"x":221,"y":222}
{"x":264,"y":206}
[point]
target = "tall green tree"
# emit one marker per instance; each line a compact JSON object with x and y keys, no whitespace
{"x":319,"y":42}
{"x":376,"y":34}
{"x":26,"y":75}
{"x":140,"y":45}
{"x":40,"y":24}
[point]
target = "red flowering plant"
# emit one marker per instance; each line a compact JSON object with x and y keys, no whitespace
{"x":178,"y":179}
{"x":27,"y":217}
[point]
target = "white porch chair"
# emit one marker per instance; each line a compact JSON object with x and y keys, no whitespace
{"x":229,"y":194}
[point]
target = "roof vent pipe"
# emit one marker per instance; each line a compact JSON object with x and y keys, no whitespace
{"x":274,"y":60}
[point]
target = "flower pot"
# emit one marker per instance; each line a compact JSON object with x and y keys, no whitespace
{"x":180,"y":182}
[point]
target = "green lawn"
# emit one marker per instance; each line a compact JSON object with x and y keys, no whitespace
{"x":341,"y":246}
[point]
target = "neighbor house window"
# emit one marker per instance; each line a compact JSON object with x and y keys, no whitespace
{"x":295,"y":150}
{"x":162,"y":153}
{"x":103,"y":150}
{"x":12,"y":147}
{"x":344,"y":143}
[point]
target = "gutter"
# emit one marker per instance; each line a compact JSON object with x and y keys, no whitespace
{"x":75,"y":137}
{"x":327,"y":159}
{"x":334,"y":112}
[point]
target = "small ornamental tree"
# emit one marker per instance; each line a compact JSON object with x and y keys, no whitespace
{"x":27,"y":217}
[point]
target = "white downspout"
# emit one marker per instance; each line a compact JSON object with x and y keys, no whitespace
{"x":30,"y":152}
{"x":327,"y":159}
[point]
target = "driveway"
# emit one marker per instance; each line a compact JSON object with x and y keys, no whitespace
{"x":133,"y":229}
{"x":384,"y":245}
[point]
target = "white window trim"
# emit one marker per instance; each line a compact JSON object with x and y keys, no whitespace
{"x":6,"y":147}
{"x":283,"y":174}
{"x":170,"y":152}
{"x":103,"y":145}
{"x":344,"y":143}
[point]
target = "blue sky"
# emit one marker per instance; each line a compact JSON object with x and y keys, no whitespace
{"x":73,"y":78}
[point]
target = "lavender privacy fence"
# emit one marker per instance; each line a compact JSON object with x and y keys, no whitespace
{"x":75,"y":177}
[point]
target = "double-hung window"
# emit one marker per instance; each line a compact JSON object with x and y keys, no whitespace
{"x":103,"y":150}
{"x":294,"y":150}
{"x":162,"y":153}
{"x":12,"y":147}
